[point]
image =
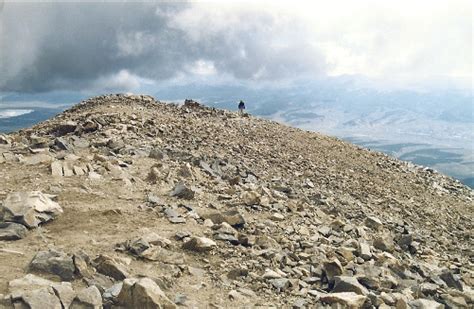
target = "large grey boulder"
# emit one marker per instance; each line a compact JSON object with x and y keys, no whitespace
{"x":29,"y":208}
{"x":54,"y":262}
{"x":12,"y":231}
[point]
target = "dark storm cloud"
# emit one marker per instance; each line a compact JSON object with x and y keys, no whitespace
{"x":75,"y":46}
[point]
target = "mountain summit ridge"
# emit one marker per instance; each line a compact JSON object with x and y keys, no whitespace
{"x":196,"y":206}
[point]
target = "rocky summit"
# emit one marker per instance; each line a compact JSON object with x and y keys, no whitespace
{"x":126,"y":202}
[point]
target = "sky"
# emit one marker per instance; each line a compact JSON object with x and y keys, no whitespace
{"x":129,"y":45}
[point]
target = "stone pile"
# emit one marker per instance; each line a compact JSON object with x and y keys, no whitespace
{"x":169,"y":205}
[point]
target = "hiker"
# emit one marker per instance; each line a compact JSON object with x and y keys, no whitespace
{"x":241,"y":107}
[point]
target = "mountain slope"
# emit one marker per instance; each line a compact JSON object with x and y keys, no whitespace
{"x":226,"y":210}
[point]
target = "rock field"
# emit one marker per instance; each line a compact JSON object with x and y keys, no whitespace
{"x":126,"y":202}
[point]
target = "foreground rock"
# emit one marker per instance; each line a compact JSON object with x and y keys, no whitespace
{"x":29,"y":208}
{"x":34,"y":292}
{"x":54,"y":262}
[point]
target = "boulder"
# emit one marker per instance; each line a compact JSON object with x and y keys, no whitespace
{"x":36,"y":292}
{"x":62,"y":144}
{"x":182,"y":191}
{"x":37,"y":299}
{"x":451,"y":280}
{"x":266,"y":242}
{"x":162,"y":255}
{"x":364,"y":251}
{"x":143,"y":293}
{"x":374,"y":223}
{"x":199,"y":244}
{"x":54,"y":262}
{"x":12,"y":231}
{"x":57,"y":168}
{"x":384,"y":243}
{"x":106,"y":265}
{"x":64,"y":128}
{"x":37,"y":159}
{"x":88,"y":298}
{"x":83,"y":266}
{"x":29,"y":208}
{"x":232,"y":217}
{"x":423,"y":303}
{"x":250,"y":198}
{"x":347,"y":299}
{"x":332,"y":268}
{"x":4,"y":139}
{"x":348,"y":284}
{"x":280,"y":284}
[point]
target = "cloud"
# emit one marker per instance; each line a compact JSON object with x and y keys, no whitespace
{"x":9,"y":113}
{"x":122,"y":45}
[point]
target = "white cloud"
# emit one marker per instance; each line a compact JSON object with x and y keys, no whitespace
{"x":121,"y":81}
{"x":202,"y":67}
{"x":9,"y":113}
